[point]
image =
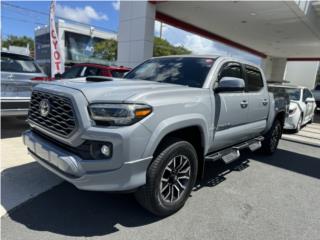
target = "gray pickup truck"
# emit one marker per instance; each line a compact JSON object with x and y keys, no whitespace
{"x":153,"y":131}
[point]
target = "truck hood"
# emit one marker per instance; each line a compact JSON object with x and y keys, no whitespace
{"x":114,"y":90}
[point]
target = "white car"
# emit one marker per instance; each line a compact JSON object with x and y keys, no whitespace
{"x":302,"y":106}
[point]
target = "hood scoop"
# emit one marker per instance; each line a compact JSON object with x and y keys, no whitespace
{"x":98,"y":79}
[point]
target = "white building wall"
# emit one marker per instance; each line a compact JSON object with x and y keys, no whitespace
{"x":302,"y":73}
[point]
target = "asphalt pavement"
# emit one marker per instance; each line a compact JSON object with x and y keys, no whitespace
{"x":255,"y":197}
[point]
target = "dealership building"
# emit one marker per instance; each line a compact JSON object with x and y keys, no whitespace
{"x":284,"y":34}
{"x":77,"y":44}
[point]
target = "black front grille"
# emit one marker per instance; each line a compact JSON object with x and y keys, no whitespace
{"x":61,"y":118}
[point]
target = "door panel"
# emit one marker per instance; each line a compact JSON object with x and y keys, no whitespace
{"x":232,"y":117}
{"x":231,"y":111}
{"x":258,"y":97}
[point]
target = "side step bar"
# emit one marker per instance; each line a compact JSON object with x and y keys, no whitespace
{"x":230,"y":154}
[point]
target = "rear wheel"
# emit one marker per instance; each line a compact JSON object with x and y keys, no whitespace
{"x":170,"y":179}
{"x":271,"y":139}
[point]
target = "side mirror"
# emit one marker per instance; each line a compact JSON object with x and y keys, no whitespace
{"x":58,"y":76}
{"x":309,"y":100}
{"x":230,"y":84}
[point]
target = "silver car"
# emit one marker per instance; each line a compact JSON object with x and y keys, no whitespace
{"x":18,"y":74}
{"x":302,"y":106}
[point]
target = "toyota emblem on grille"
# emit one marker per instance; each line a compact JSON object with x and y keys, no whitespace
{"x":44,"y":107}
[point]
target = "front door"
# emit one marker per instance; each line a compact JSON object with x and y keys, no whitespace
{"x":231,"y":112}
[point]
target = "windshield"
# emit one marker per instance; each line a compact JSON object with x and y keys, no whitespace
{"x":18,"y":63}
{"x":294,"y":93}
{"x":118,"y":73}
{"x":188,"y":71}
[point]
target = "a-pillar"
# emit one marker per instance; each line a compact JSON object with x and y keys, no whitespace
{"x":136,"y":32}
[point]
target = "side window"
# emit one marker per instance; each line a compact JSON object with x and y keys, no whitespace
{"x":254,"y":79}
{"x":92,"y":71}
{"x":231,"y":70}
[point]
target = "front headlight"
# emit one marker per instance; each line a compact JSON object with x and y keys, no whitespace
{"x":118,"y":114}
{"x":293,"y":108}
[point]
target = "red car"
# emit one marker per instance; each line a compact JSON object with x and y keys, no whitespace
{"x":91,"y":69}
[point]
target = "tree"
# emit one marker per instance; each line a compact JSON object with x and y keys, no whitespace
{"x":23,"y":41}
{"x":106,"y":49}
{"x":163,"y":48}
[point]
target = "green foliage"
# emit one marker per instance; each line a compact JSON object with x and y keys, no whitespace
{"x":18,"y":41}
{"x":106,"y":49}
{"x":163,"y":48}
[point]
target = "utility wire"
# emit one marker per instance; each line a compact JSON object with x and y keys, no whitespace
{"x":47,"y":14}
{"x":22,"y":20}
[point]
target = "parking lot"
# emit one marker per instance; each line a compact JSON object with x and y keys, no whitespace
{"x":256,"y":197}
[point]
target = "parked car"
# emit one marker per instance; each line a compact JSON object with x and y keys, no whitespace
{"x":18,"y":74}
{"x":316,"y":94}
{"x":91,"y":69}
{"x":302,"y":106}
{"x":153,"y":131}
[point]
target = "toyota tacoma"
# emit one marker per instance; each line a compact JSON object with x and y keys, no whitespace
{"x":152,"y":131}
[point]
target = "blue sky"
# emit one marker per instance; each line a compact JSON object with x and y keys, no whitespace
{"x":16,"y":20}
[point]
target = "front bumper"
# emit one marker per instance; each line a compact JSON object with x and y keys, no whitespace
{"x":291,"y":121}
{"x":130,"y":175}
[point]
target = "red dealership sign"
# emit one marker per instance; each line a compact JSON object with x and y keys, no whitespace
{"x":57,"y":64}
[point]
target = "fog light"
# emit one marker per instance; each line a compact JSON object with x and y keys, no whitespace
{"x":105,"y":150}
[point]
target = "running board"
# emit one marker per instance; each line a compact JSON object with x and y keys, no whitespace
{"x":230,"y":154}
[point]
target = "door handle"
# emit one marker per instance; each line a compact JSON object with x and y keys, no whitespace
{"x":244,"y":104}
{"x":265,"y":102}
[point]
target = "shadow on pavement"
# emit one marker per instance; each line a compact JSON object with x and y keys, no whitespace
{"x":22,"y":182}
{"x":292,"y":161}
{"x":68,"y":211}
{"x":13,"y":127}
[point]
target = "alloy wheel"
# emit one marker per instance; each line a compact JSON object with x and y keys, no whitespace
{"x":175,"y":178}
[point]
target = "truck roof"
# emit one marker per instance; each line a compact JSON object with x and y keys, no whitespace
{"x":211,"y":56}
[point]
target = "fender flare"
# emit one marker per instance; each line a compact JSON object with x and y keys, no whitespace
{"x":175,"y":123}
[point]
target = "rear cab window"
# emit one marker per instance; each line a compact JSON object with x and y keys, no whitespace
{"x":18,"y":63}
{"x":254,"y":78}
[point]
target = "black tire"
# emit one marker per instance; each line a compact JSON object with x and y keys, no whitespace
{"x":150,"y":197}
{"x":271,"y":138}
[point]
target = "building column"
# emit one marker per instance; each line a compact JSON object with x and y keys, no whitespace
{"x":136,"y":32}
{"x":274,"y":68}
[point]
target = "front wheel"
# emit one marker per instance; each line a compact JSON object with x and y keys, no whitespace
{"x":170,"y":179}
{"x":271,"y":139}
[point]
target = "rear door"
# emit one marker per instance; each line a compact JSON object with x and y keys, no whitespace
{"x":258,"y":97}
{"x":231,"y":113}
{"x":16,"y":74}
